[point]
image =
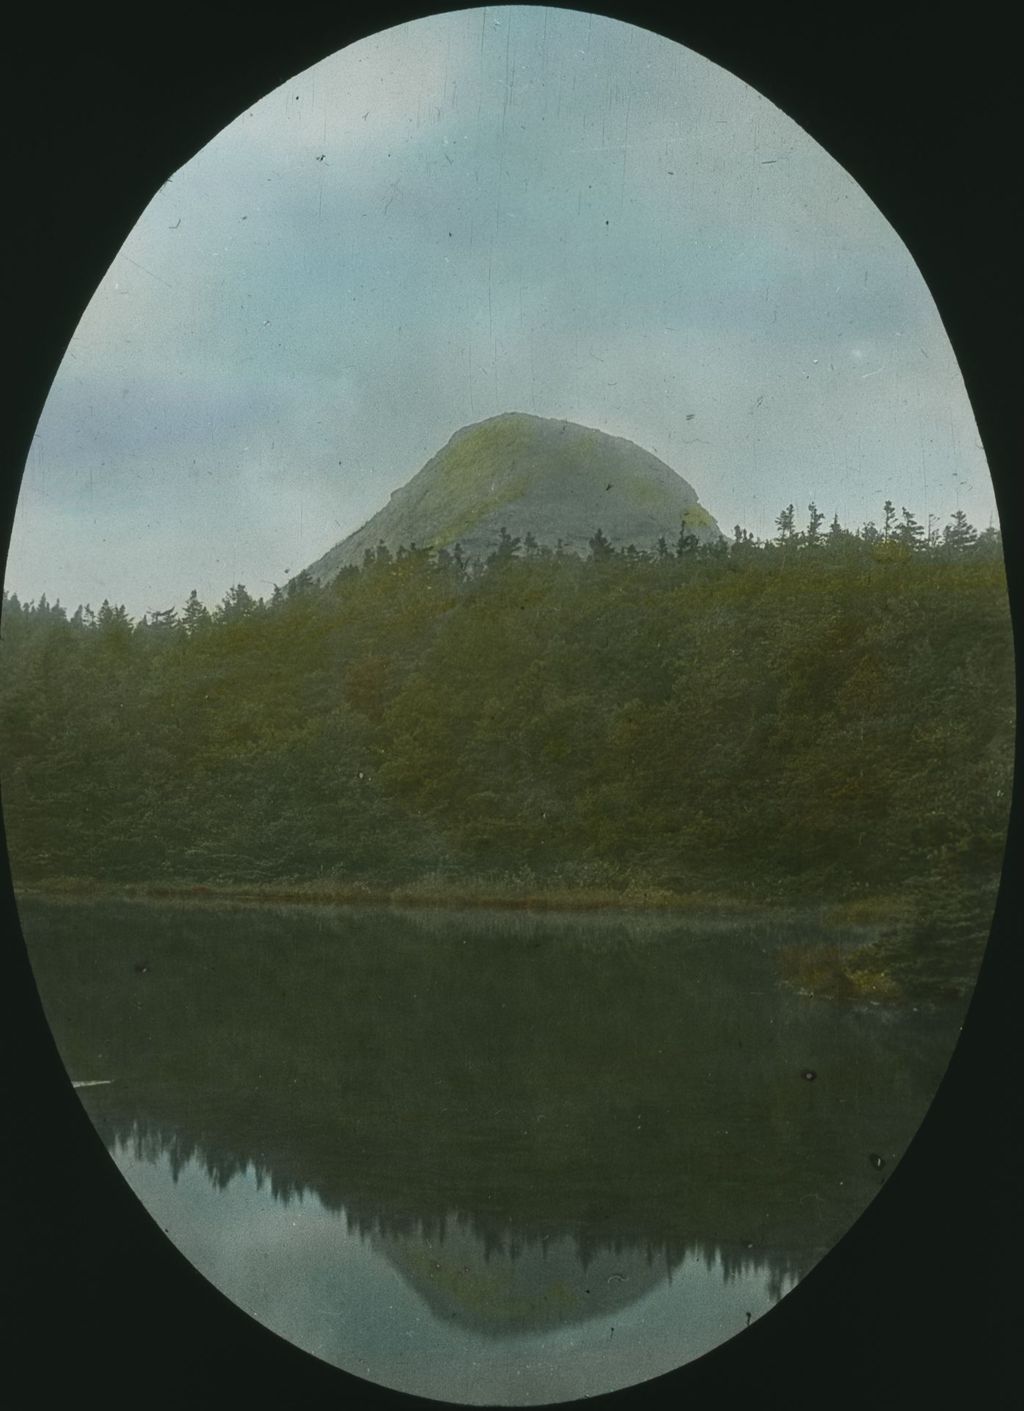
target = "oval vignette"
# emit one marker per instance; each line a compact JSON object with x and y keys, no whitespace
{"x":142,"y":967}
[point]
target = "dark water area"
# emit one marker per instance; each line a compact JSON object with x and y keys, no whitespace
{"x":482,"y":1157}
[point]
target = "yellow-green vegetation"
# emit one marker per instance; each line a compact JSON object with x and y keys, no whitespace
{"x":697,"y":517}
{"x":533,"y":480}
{"x":828,"y":970}
{"x":885,"y":909}
{"x":826,"y":720}
{"x":474,"y":472}
{"x":491,"y":894}
{"x":928,"y":941}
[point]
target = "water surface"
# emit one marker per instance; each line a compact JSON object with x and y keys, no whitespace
{"x":482,"y":1157}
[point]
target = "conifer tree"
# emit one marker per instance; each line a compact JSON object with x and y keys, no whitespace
{"x":238,"y":603}
{"x":600,"y":547}
{"x":687,"y":543}
{"x":908,"y":532}
{"x":785,"y":524}
{"x":508,"y":547}
{"x":959,"y":534}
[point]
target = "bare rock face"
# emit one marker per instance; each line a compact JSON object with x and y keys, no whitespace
{"x":530,"y":475}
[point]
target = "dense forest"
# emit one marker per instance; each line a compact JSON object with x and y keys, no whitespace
{"x":825,"y":717}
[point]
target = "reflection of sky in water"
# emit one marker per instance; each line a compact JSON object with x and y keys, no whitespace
{"x":413,"y":1072}
{"x":438,"y":1319}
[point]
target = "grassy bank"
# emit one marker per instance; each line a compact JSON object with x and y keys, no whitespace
{"x":928,"y":949}
{"x":426,"y":892}
{"x":898,"y":949}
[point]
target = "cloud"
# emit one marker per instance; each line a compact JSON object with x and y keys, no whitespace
{"x":480,"y":211}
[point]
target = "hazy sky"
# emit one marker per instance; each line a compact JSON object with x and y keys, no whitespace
{"x":494,"y":210}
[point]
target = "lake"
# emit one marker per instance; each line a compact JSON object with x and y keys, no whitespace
{"x":485,"y":1157}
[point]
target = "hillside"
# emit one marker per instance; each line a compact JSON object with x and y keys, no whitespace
{"x":823,"y":720}
{"x":528,"y":474}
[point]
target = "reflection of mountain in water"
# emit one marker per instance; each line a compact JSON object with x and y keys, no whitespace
{"x":617,"y":1086}
{"x":467,"y":1264}
{"x":504,"y":1287}
{"x":495,"y":1282}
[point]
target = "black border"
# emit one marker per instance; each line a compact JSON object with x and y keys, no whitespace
{"x":919,"y":1303}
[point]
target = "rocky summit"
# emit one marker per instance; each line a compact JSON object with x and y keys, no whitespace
{"x":530,"y":475}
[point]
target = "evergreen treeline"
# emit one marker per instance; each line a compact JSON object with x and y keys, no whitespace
{"x":828,"y":715}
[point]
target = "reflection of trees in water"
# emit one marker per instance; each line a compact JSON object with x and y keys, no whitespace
{"x":150,"y":1142}
{"x":603,"y":1079}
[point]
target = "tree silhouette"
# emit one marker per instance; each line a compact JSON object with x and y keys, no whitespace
{"x":959,"y":534}
{"x":785,"y":524}
{"x":600,"y":547}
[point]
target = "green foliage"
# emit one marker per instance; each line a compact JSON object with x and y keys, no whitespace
{"x":821,"y":717}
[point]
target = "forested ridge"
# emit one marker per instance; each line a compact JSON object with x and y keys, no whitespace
{"x":826,"y":717}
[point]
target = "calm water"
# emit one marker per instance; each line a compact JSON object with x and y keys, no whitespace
{"x":481,"y":1157}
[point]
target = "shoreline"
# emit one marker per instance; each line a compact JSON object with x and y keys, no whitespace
{"x":851,"y":960}
{"x":872,"y":913}
{"x":482,"y":896}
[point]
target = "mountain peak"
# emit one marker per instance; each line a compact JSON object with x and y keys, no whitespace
{"x":551,"y":478}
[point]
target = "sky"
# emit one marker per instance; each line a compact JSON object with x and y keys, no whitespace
{"x":510,"y":209}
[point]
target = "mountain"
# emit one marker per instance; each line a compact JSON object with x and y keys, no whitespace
{"x":530,"y":474}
